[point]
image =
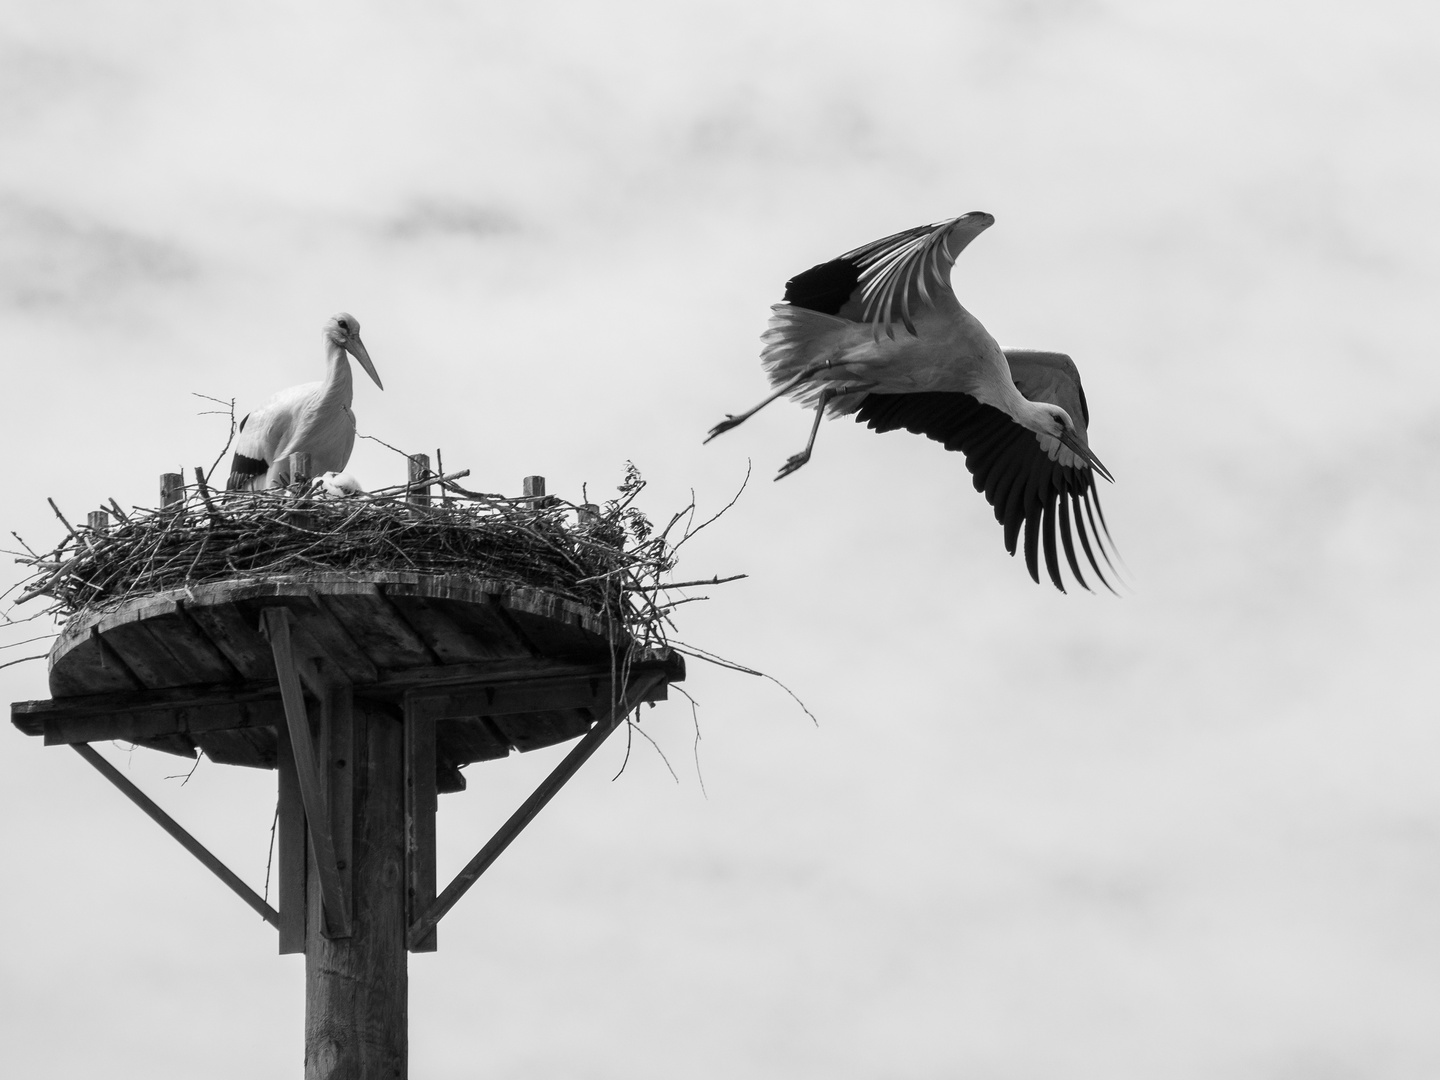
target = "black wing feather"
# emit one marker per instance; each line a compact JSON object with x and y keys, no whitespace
{"x":243,"y":469}
{"x":824,"y":288}
{"x":1016,"y":477}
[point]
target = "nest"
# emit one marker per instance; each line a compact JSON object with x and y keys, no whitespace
{"x":608,"y":558}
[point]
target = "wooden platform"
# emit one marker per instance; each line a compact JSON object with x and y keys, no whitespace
{"x":500,"y":667}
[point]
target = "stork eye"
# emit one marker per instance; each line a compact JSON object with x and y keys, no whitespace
{"x":344,"y":325}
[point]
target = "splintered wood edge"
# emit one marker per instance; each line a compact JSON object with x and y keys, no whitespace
{"x":462,"y":587}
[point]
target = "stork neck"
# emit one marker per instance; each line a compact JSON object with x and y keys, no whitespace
{"x":338,"y":384}
{"x":1024,"y":411}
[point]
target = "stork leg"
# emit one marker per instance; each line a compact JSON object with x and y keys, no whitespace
{"x":796,"y":460}
{"x":731,"y":420}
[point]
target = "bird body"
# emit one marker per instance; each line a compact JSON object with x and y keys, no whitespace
{"x":336,"y":485}
{"x":879,"y":333}
{"x":313,"y":418}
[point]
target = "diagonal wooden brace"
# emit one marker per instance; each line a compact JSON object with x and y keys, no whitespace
{"x":171,"y":826}
{"x":276,"y":622}
{"x":420,"y":937}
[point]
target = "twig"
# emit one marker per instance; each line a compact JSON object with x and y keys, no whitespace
{"x":230,"y":408}
{"x":689,"y":584}
{"x":719,"y":661}
{"x":12,"y":663}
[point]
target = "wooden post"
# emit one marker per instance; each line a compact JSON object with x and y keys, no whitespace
{"x":99,"y":521}
{"x":300,"y":471}
{"x":172,"y":490}
{"x":356,"y":988}
{"x":421,"y":800}
{"x":534,"y":487}
{"x":419,"y":475}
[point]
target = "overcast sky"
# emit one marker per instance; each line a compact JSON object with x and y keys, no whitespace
{"x":1189,"y":833}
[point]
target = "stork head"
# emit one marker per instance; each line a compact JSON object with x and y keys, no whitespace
{"x":966,"y":228}
{"x":344,"y":330}
{"x":1055,"y":422}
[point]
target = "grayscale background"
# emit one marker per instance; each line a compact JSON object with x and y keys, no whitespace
{"x":1190,"y":833}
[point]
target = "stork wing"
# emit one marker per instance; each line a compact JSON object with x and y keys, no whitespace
{"x":245,"y":469}
{"x":889,"y":279}
{"x":1023,"y":485}
{"x":264,"y":434}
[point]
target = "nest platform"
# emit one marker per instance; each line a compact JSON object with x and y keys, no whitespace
{"x":500,"y":667}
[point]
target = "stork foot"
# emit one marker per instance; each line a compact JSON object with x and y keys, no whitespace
{"x":730,"y":421}
{"x":792,"y":463}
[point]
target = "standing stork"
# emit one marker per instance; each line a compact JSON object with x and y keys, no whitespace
{"x":1018,"y":416}
{"x":313,"y":418}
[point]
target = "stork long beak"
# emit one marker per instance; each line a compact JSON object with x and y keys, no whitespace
{"x":1084,"y":454}
{"x":356,"y":348}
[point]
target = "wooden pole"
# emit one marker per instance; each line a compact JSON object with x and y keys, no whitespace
{"x":356,"y":988}
{"x":99,"y":521}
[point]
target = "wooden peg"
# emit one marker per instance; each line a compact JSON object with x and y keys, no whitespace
{"x":99,"y":521}
{"x":300,"y":474}
{"x":420,"y":476}
{"x":172,"y":490}
{"x":534,"y":488}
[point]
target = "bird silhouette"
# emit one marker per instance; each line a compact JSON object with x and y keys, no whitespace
{"x":878,"y":333}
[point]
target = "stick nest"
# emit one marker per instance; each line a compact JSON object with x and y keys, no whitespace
{"x":608,"y":558}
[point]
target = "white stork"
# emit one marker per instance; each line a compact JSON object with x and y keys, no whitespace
{"x":313,"y":418}
{"x":1018,"y":416}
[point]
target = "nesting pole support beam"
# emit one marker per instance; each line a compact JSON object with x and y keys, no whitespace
{"x":357,"y":987}
{"x":173,"y":827}
{"x":308,"y":771}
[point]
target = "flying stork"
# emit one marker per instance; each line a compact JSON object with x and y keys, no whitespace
{"x":313,"y":418}
{"x":879,"y":333}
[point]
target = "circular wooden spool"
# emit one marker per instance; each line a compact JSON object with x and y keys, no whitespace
{"x":507,"y":667}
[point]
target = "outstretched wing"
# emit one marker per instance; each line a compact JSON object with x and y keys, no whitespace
{"x":897,"y":277}
{"x":1018,"y":480}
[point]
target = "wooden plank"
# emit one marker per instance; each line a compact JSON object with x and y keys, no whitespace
{"x":448,"y":778}
{"x":291,"y":855}
{"x":420,"y":806}
{"x":252,"y":747}
{"x":537,"y":730}
{"x":236,"y":637}
{"x":532,"y":806}
{"x":468,"y":739}
{"x":149,"y":661}
{"x":183,"y":651}
{"x":385,"y":639}
{"x":277,"y":621}
{"x":85,"y":671}
{"x":451,"y":642}
{"x":171,"y":826}
{"x":136,"y":725}
{"x":146,"y":700}
{"x":179,"y":745}
{"x":590,"y":691}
